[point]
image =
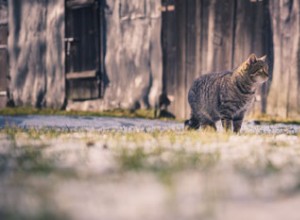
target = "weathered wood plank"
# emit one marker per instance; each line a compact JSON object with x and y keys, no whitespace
{"x":284,"y":97}
{"x":79,"y":3}
{"x":190,"y":68}
{"x":221,"y":35}
{"x":82,"y":75}
{"x":169,"y":46}
{"x":204,"y":20}
{"x":180,"y":77}
{"x":3,"y":65}
{"x":82,"y":89}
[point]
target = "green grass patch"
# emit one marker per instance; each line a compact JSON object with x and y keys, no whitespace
{"x":164,"y":163}
{"x":140,"y":113}
{"x":41,"y":215}
{"x":32,"y":133}
{"x":161,"y":160}
{"x":268,"y":119}
{"x":26,"y":159}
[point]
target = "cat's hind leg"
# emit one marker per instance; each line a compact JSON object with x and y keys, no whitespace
{"x":192,"y":124}
{"x":208,"y":126}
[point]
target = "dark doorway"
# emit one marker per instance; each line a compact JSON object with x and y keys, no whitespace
{"x":84,"y":49}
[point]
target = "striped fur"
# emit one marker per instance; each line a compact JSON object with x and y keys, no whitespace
{"x":225,"y":96}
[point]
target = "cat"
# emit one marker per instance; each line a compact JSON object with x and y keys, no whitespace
{"x":226,"y":96}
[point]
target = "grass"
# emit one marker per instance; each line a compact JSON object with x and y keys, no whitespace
{"x":42,"y":215}
{"x":166,"y":156}
{"x":140,"y":113}
{"x":269,"y":119}
{"x":36,"y":161}
{"x":32,"y":133}
{"x":164,"y":163}
{"x":26,"y":159}
{"x":158,"y":152}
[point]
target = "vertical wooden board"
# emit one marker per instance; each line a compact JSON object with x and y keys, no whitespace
{"x":222,"y":35}
{"x":258,"y":49}
{"x":101,"y":42}
{"x":169,"y":49}
{"x":198,"y":39}
{"x":245,"y":20}
{"x":267,"y":45}
{"x":82,"y":89}
{"x":201,"y":37}
{"x":180,"y":77}
{"x":3,"y":69}
{"x":3,"y":64}
{"x":204,"y":22}
{"x":3,"y":34}
{"x":3,"y":56}
{"x":190,"y":65}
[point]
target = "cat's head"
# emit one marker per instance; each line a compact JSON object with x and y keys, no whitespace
{"x":257,"y":68}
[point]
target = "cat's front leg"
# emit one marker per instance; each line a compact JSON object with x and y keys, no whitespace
{"x":227,"y":124}
{"x":237,"y":122}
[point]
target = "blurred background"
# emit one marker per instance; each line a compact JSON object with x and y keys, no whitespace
{"x":97,"y":55}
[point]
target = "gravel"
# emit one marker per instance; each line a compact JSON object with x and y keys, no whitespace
{"x":81,"y":123}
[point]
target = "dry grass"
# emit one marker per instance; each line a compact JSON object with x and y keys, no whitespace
{"x":109,"y":167}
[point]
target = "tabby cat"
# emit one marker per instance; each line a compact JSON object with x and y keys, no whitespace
{"x":226,"y":96}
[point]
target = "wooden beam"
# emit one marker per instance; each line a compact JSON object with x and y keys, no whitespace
{"x":81,"y":75}
{"x":79,"y":3}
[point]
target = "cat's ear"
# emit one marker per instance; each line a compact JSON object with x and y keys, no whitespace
{"x":263,"y":58}
{"x":252,"y":59}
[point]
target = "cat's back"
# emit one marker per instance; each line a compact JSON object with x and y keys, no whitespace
{"x":209,"y":81}
{"x":205,"y":89}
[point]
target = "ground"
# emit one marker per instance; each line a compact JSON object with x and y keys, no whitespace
{"x":66,"y":167}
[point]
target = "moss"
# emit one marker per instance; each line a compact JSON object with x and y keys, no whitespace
{"x":268,"y":119}
{"x":32,"y":133}
{"x":140,"y":113}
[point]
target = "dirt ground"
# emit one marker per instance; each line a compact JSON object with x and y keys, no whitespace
{"x":115,"y":168}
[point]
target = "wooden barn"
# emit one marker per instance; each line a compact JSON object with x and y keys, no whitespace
{"x":105,"y":54}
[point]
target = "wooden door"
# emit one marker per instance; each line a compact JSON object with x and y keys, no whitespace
{"x":82,"y":49}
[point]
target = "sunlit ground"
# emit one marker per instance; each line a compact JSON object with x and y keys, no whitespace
{"x":49,"y":174}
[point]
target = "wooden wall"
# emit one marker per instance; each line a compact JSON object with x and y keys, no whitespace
{"x":196,"y":37}
{"x":211,"y":35}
